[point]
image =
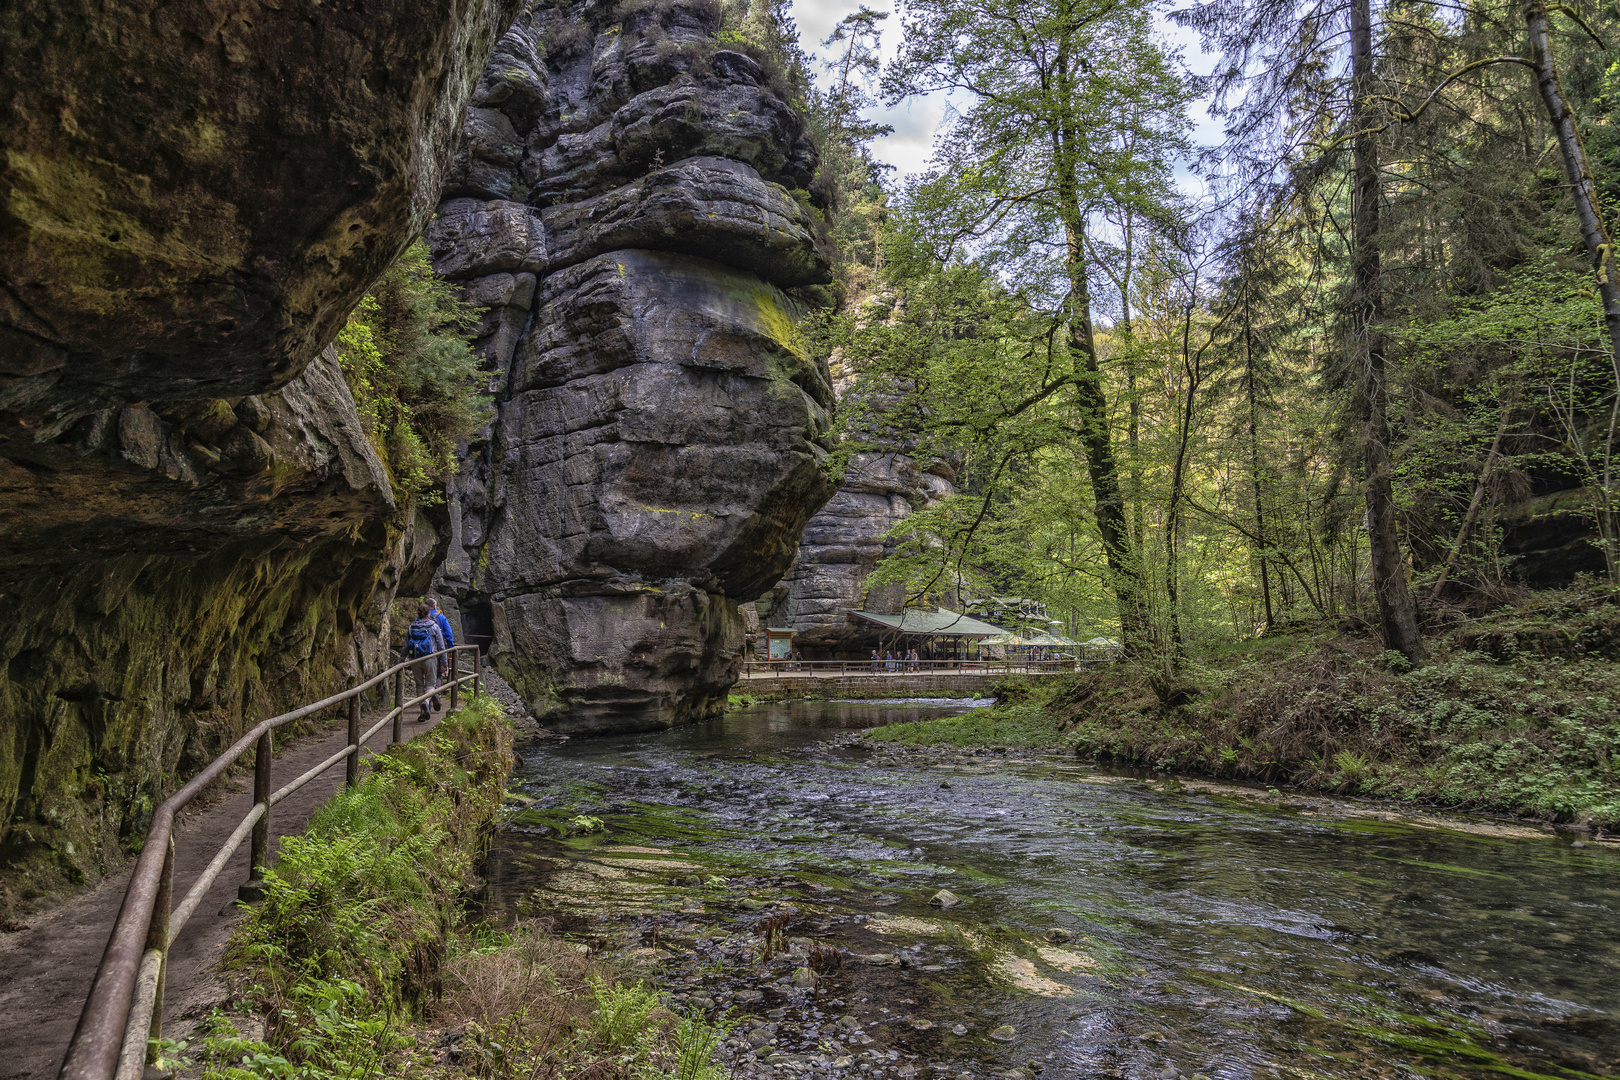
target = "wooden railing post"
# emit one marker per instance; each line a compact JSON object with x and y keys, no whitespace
{"x":399,"y":703}
{"x":157,"y":937}
{"x":478,"y":665}
{"x":455,"y":677}
{"x":252,"y":890}
{"x":351,"y":768}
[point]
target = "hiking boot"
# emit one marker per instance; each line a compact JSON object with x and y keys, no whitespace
{"x":427,"y":714}
{"x":438,"y":706}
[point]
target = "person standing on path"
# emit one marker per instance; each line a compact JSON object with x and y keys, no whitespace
{"x":422,"y":640}
{"x":449,"y":638}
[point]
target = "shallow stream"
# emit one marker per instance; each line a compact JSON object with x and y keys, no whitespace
{"x":1213,"y":934}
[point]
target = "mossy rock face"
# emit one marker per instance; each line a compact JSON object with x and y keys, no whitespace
{"x":195,"y":198}
{"x":197,"y":532}
{"x":660,"y":441}
{"x":155,"y":616}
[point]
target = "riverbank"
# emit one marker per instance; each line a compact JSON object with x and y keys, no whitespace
{"x":363,"y":959}
{"x":1518,"y":713}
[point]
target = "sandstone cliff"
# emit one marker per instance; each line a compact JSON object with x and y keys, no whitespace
{"x":841,"y":547}
{"x":631,"y":205}
{"x":196,"y":529}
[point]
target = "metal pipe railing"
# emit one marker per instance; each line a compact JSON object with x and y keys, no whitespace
{"x":125,"y":1008}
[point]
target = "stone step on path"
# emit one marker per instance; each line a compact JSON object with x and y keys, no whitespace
{"x":46,"y":969}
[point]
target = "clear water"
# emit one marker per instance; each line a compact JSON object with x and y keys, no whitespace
{"x":1215,"y":935}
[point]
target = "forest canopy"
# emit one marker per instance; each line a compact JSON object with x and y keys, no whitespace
{"x":1367,"y":375}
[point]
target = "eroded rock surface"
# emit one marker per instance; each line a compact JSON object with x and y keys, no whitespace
{"x":199,"y":567}
{"x":632,"y":208}
{"x":844,"y":543}
{"x":197,"y":192}
{"x":197,"y":532}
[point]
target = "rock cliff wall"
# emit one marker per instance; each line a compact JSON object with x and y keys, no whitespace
{"x":632,"y":205}
{"x":843,"y":544}
{"x":197,"y":531}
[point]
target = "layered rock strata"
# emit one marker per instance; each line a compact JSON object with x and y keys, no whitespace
{"x":841,"y":547}
{"x":197,"y":530}
{"x":631,"y":210}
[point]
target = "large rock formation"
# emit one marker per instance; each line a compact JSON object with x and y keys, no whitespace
{"x":843,"y":544}
{"x":197,"y":530}
{"x":630,"y":207}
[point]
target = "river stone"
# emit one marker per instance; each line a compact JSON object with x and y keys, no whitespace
{"x":1057,"y":935}
{"x":1004,"y":1033}
{"x":944,"y":899}
{"x":804,"y":978}
{"x":959,"y":1029}
{"x":749,"y":997}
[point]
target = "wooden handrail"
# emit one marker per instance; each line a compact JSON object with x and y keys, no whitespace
{"x":125,"y":1007}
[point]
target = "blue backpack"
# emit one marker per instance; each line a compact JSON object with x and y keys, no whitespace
{"x":419,"y":642}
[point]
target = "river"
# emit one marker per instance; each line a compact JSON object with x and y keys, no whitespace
{"x":1213,"y":934}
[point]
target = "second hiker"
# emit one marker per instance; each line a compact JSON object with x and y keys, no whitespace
{"x":422,"y":640}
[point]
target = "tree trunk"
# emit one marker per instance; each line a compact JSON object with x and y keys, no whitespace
{"x":1091,"y":406}
{"x":1397,"y":615}
{"x":1474,"y":503}
{"x":1254,"y":457}
{"x":1598,"y":245}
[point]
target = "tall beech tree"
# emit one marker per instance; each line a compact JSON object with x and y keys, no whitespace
{"x":1397,"y":614}
{"x":1067,"y":105}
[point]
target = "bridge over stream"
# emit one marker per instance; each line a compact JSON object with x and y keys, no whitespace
{"x":894,"y":678}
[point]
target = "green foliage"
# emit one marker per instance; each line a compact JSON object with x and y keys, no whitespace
{"x":1518,"y":712}
{"x":349,"y":941}
{"x":584,"y":824}
{"x":1024,"y":725}
{"x":415,"y":380}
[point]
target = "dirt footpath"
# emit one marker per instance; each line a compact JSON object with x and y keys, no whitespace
{"x":46,"y":969}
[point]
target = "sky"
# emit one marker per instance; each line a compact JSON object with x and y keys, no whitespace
{"x":914,"y":121}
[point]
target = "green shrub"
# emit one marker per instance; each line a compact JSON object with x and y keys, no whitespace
{"x":415,"y":380}
{"x":358,"y":915}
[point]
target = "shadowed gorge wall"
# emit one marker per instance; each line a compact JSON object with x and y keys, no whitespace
{"x":843,"y":544}
{"x":632,"y":206}
{"x":197,"y":529}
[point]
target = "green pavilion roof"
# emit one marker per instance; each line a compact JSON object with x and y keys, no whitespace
{"x":941,"y":623}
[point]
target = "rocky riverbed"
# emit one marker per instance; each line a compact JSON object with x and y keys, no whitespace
{"x":883,"y":913}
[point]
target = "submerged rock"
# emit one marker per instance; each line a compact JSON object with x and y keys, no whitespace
{"x":625,"y":214}
{"x":944,"y":899}
{"x":1004,"y":1033}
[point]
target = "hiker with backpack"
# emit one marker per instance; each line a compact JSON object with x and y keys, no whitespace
{"x":445,"y":662}
{"x":422,"y":640}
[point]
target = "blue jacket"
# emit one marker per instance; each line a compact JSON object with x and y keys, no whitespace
{"x":444,"y":627}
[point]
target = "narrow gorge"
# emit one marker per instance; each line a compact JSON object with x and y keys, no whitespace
{"x":202,"y":530}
